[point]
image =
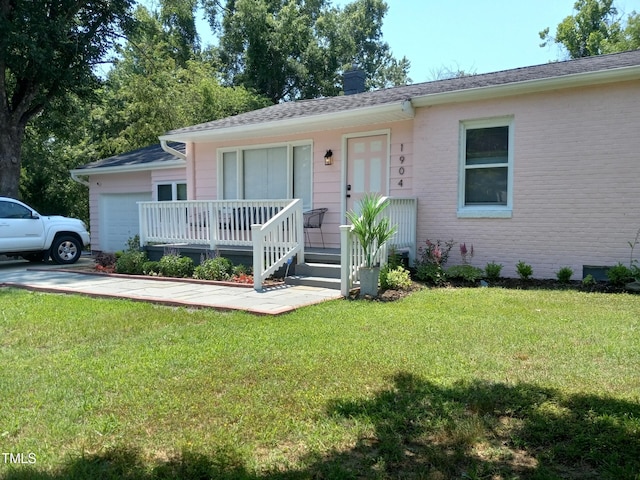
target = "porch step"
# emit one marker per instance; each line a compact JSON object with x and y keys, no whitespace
{"x":326,"y":270}
{"x":324,"y":275}
{"x":322,"y":256}
{"x":321,"y":282}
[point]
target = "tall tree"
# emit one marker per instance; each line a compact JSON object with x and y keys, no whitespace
{"x":152,"y":88}
{"x":179,"y":21}
{"x":55,"y":142}
{"x":46,"y":50}
{"x":157,"y":83}
{"x":594,"y":29}
{"x":290,"y":49}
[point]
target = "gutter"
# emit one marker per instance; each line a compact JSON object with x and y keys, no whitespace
{"x":85,"y":172}
{"x":172,"y":151}
{"x":529,"y":86}
{"x":81,"y":181}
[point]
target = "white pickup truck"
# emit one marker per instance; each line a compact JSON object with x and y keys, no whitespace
{"x":26,"y":233}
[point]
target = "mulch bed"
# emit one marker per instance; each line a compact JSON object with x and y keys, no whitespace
{"x":507,"y":283}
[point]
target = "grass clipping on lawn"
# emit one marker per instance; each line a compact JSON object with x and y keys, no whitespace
{"x":450,"y":383}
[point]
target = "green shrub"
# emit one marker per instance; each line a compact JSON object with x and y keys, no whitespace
{"x":524,"y":270}
{"x":619,"y":274}
{"x":564,"y":274}
{"x":588,"y":281}
{"x":218,"y":268}
{"x":635,"y":271}
{"x":433,"y":258}
{"x":394,"y":261}
{"x":176,"y":266}
{"x":241,"y":269}
{"x":492,"y":271}
{"x":131,"y":262}
{"x":133,"y":244}
{"x":396,"y":279}
{"x":431,"y":273}
{"x":151,"y":268}
{"x":466,"y":272}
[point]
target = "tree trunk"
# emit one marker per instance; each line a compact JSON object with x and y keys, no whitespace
{"x":10,"y":146}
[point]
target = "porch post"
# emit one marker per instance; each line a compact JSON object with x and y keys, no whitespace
{"x":212,"y":211}
{"x":258,"y":255}
{"x":142,"y":225}
{"x":300,"y":231}
{"x":345,"y":260}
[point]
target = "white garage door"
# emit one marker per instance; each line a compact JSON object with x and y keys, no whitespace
{"x":119,"y":219}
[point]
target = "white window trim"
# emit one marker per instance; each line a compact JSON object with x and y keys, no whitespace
{"x":240,"y":149}
{"x":485,"y":211}
{"x":174,"y":188}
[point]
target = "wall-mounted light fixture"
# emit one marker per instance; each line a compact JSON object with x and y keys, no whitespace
{"x":328,"y":158}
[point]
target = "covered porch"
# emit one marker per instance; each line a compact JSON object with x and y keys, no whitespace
{"x":272,"y":229}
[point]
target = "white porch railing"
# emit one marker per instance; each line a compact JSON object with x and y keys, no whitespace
{"x":401,"y":212}
{"x":272,"y":227}
{"x":205,"y":222}
{"x":278,"y":240}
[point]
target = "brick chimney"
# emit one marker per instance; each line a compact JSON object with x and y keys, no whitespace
{"x":353,"y":81}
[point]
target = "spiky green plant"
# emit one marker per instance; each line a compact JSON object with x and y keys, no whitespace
{"x":372,"y":229}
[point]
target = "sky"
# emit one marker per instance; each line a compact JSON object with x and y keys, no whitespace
{"x":476,"y":36}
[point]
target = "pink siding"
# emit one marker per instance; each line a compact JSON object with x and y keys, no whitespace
{"x":168,"y":175}
{"x":576,"y":172}
{"x":327,"y":180}
{"x":134,"y":182}
{"x":401,"y":146}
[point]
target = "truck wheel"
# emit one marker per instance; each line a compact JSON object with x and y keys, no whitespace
{"x":66,"y":250}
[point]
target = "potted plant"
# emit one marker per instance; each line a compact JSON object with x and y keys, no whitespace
{"x":372,"y":230}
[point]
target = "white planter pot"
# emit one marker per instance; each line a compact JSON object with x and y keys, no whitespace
{"x":369,"y":281}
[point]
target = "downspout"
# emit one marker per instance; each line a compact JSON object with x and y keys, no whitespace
{"x":172,"y":151}
{"x":407,"y":108}
{"x":81,"y":181}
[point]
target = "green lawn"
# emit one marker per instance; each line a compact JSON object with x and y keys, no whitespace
{"x":449,"y":383}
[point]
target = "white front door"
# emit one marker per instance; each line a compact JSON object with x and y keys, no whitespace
{"x":367,"y":164}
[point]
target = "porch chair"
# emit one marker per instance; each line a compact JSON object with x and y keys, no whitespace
{"x":313,"y":219}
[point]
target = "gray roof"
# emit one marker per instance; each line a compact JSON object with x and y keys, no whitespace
{"x":147,"y":155}
{"x":319,"y":106}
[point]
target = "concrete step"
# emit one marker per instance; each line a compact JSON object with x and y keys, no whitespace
{"x":310,"y":281}
{"x":318,"y":270}
{"x":322,"y":257}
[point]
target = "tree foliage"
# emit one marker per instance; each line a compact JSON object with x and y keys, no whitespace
{"x":152,"y":89}
{"x":290,"y":49}
{"x":160,"y":78}
{"x":595,"y":29}
{"x":46,"y":50}
{"x":54,"y":143}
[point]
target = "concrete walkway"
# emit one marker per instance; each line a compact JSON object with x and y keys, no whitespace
{"x":53,"y":278}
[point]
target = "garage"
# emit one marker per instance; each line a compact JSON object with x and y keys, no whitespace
{"x":119,"y":219}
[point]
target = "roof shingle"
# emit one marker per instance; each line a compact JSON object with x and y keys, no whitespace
{"x":318,"y":106}
{"x":151,"y":154}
